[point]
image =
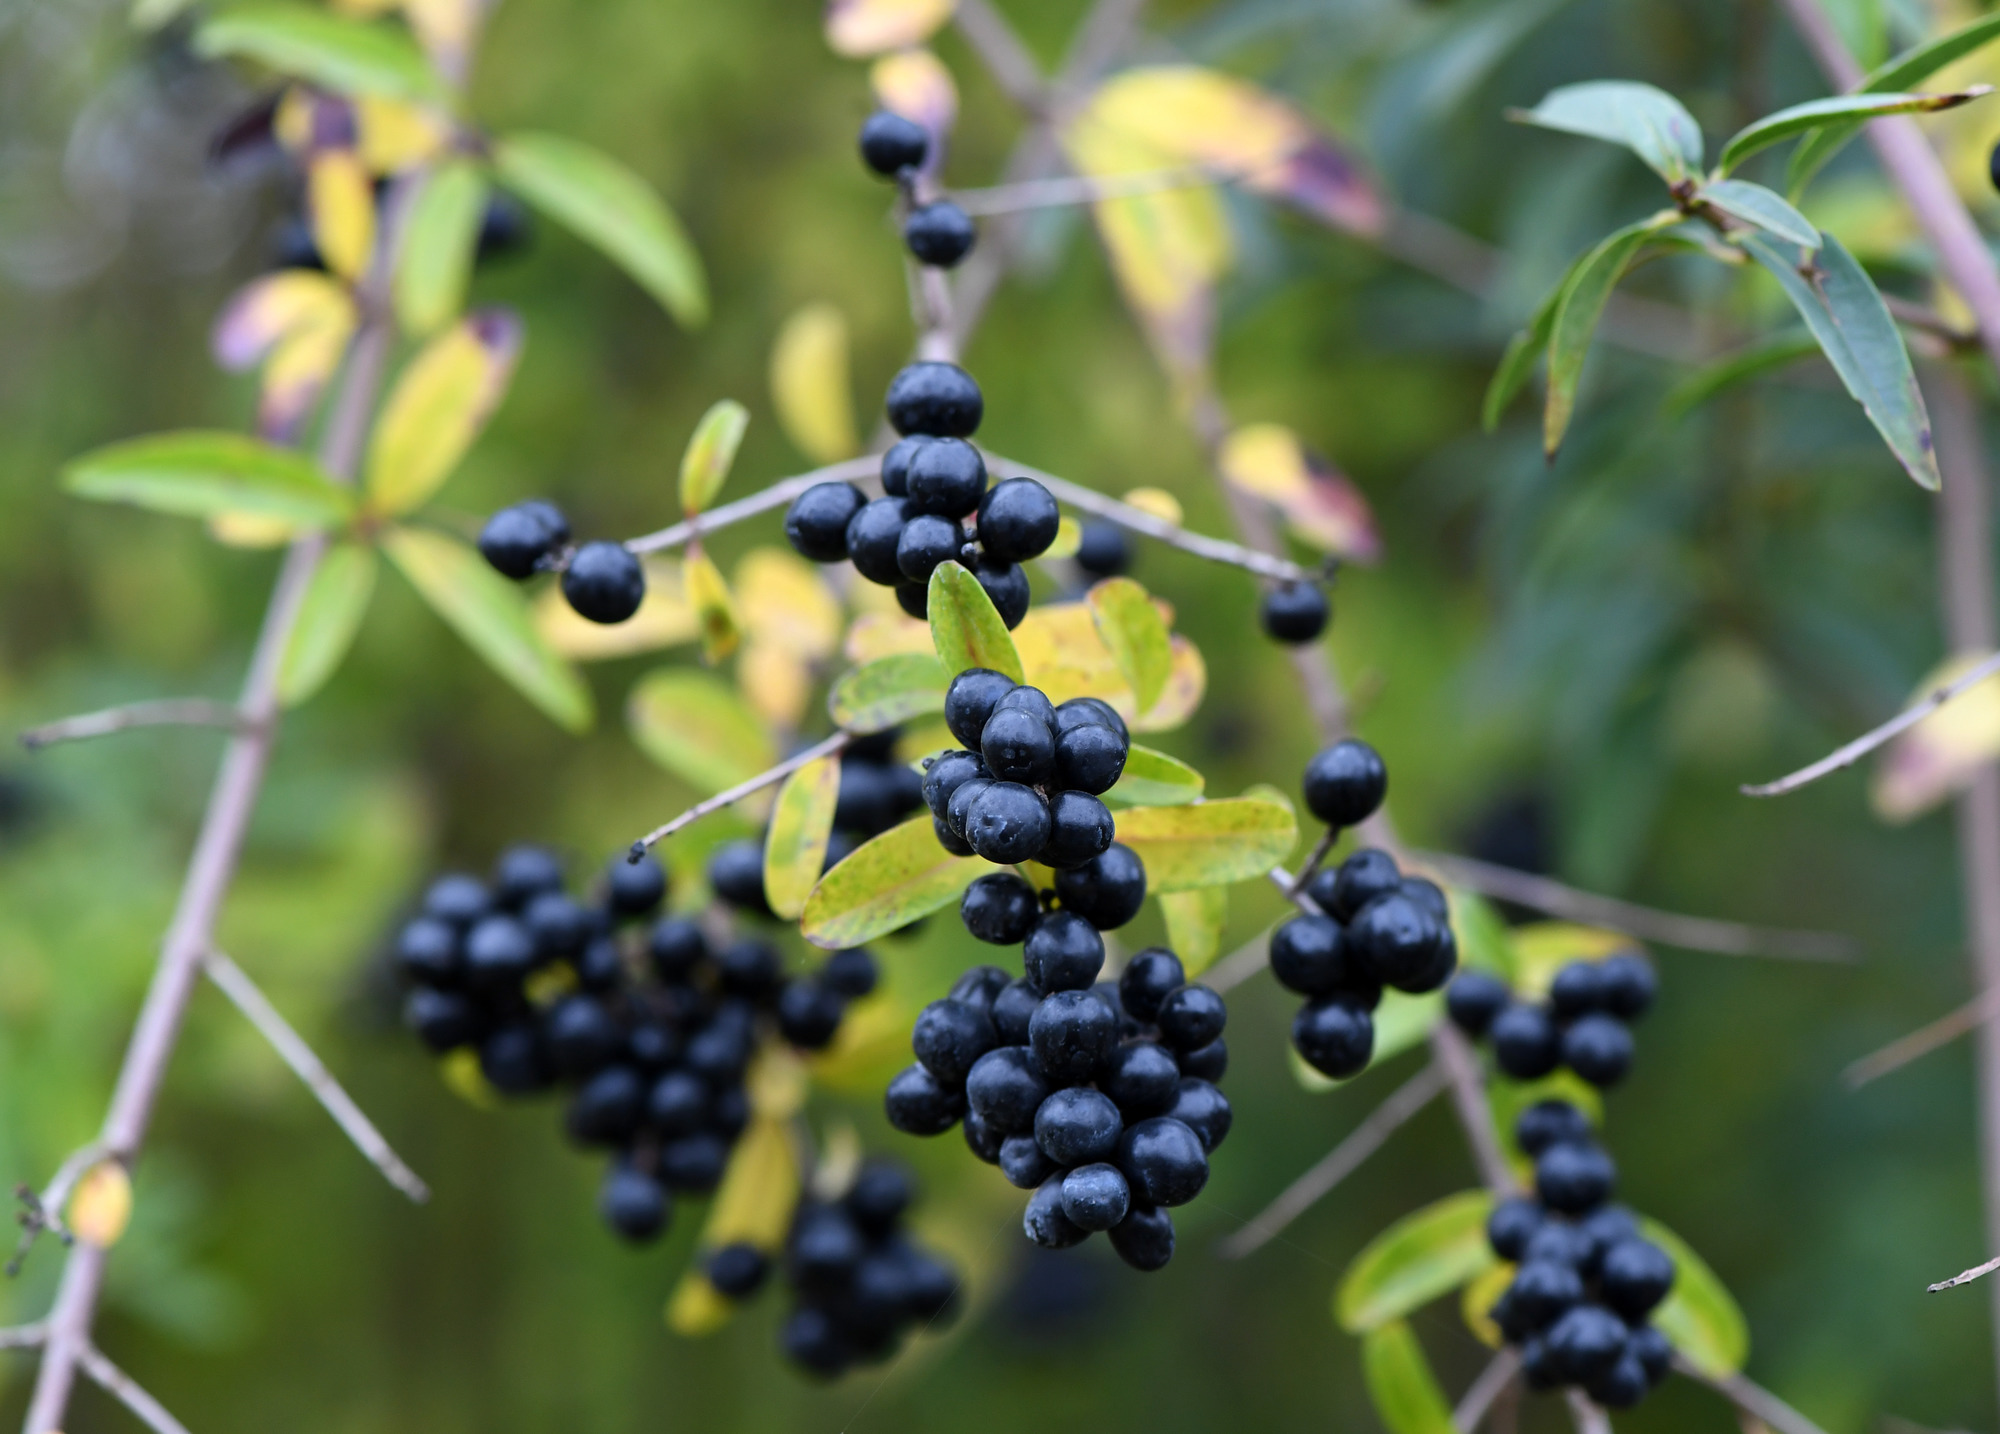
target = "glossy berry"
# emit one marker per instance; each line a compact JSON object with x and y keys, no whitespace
{"x":915,"y":600}
{"x":946,"y":479}
{"x":959,"y":808}
{"x":1202,"y":1108}
{"x":1526,"y":1044}
{"x":1598,"y":1048}
{"x":1634,"y":1276}
{"x":816,"y":523}
{"x":881,"y":1192}
{"x":738,"y":1271}
{"x":1090,"y":758}
{"x":1629,"y":984}
{"x":634,"y":888}
{"x":1207,"y":1062}
{"x":442,"y":1020}
{"x":458,"y":899}
{"x":1103,"y":552}
{"x":1307,"y":956}
{"x":1577,"y":990}
{"x":970,"y":701}
{"x":896,"y":464}
{"x":1652,"y":1350}
{"x":949,"y":1036}
{"x":809,"y":1014}
{"x":1072,"y":1034}
{"x":1007,"y":823}
{"x":605,"y":1109}
{"x":1511,"y":1225}
{"x":811,"y":1341}
{"x":1191,"y":1017}
{"x":1077,"y":1125}
{"x":599,"y":967}
{"x":581,"y":1036}
{"x":1144,"y":1239}
{"x":1046,"y":1222}
{"x":499,"y":953}
{"x":1574,"y":1178}
{"x":1005,"y":1088}
{"x":1345,"y":783}
{"x":1063,"y":953}
{"x":1362,"y":877}
{"x":750,"y":969}
{"x":1547,"y":1123}
{"x":1163,"y":1160}
{"x":1474,"y":999}
{"x":1294,"y":613}
{"x":891,"y":144}
{"x":824,"y":1248}
{"x":1080,"y":830}
{"x":1090,"y":711}
{"x":604,"y":582}
{"x":873,"y":535}
{"x":1029,"y":699}
{"x":938,"y":399}
{"x":926,"y":541}
{"x":524,"y":872}
{"x":1018,"y":746}
{"x":1604,"y":1227}
{"x":633,"y":1204}
{"x":1007,"y":586}
{"x":1095,"y":1196}
{"x":427,"y":950}
{"x":515,"y":540}
{"x":981,"y":1138}
{"x":1022,"y":1162}
{"x":850,"y":973}
{"x":1335,"y":1036}
{"x":1624,"y":1384}
{"x":1107,"y":891}
{"x":677,"y":946}
{"x":979,"y":986}
{"x":1395,"y":940}
{"x":736,"y":875}
{"x":677,"y":1103}
{"x":945,"y":773}
{"x":1000,"y":909}
{"x":1012,"y":1010}
{"x":1018,"y":519}
{"x":1148,"y":979}
{"x":557,"y":924}
{"x":919,"y":1104}
{"x":1141,"y":1078}
{"x":939,"y":234}
{"x":1586,"y":1342}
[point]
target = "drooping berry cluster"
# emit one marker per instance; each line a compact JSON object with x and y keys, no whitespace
{"x":603,"y":581}
{"x":1585,"y":1024}
{"x":650,"y":1026}
{"x":1578,"y":1306}
{"x":938,"y":233}
{"x":936,"y":506}
{"x":1377,"y":927}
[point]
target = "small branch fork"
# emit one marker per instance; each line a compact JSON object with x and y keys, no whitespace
{"x":166,"y":712}
{"x":44,"y":1211}
{"x":836,"y":743}
{"x":126,"y":1391}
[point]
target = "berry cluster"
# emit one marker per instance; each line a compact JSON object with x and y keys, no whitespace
{"x":1026,"y":786}
{"x":858,"y":1281}
{"x":938,"y":233}
{"x":1585,"y":1024}
{"x":1376,"y":927}
{"x":602,"y":580}
{"x":937,"y":507}
{"x":1577,"y":1308}
{"x":649,"y":1025}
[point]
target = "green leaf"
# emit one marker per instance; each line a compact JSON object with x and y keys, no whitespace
{"x":1518,"y":362}
{"x":439,"y":240}
{"x":795,"y":844}
{"x":1797,"y":119}
{"x":1400,"y":1383}
{"x":1427,"y":1253}
{"x":438,"y":408}
{"x":348,"y":56}
{"x":1483,"y":942}
{"x":1649,"y":122}
{"x":1761,"y":357}
{"x":494,"y":619}
{"x":1153,"y":779}
{"x":1761,"y":208}
{"x":607,"y":205}
{"x":877,"y":695}
{"x":1846,"y":314}
{"x":885,"y":884}
{"x":206,"y":474}
{"x":1699,"y":1316}
{"x":710,"y":452}
{"x":330,"y":614}
{"x":1584,"y":296}
{"x":1403,"y":1022}
{"x":699,"y":727}
{"x":1209,"y":843}
{"x":965,"y":626}
{"x":1194,"y":925}
{"x":1133,"y":629}
{"x":1908,"y":69}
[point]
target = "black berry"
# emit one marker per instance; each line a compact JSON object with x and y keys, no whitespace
{"x":1103,"y":552}
{"x":738,"y":1271}
{"x":1007,"y":822}
{"x":896,"y":464}
{"x":633,"y":1204}
{"x":1142,"y":1078}
{"x":1018,"y":519}
{"x":1629,"y":984}
{"x":1547,"y":1123}
{"x":1335,"y":1036}
{"x":851,"y":973}
{"x":891,"y":144}
{"x":1077,"y":1126}
{"x":515,"y":540}
{"x":1095,"y":1196}
{"x":1634,"y":1276}
{"x":926,"y":541}
{"x":1345,"y":783}
{"x":946,"y":478}
{"x":1144,"y":1239}
{"x":919,"y":1104}
{"x":634,"y":888}
{"x":1063,"y":953}
{"x":1046,"y":1222}
{"x":1005,"y":1089}
{"x":949,"y":1036}
{"x":970,"y":701}
{"x":1191,"y":1017}
{"x":1107,"y":891}
{"x":939,"y":234}
{"x":1525,"y":1042}
{"x":1001,"y":909}
{"x":604,"y":582}
{"x":1574,"y":1178}
{"x":1306,"y":955}
{"x":873,"y":534}
{"x":1363,"y":877}
{"x":1090,"y":758}
{"x":1006,"y":584}
{"x":1598,"y":1048}
{"x":1148,"y":979}
{"x":1080,"y":830}
{"x":816,"y":523}
{"x":938,"y":399}
{"x":1018,"y":746}
{"x":1163,"y":1160}
{"x":1294,"y":613}
{"x":1072,"y":1034}
{"x":1511,"y":1225}
{"x":1202,"y":1108}
{"x":1474,"y":999}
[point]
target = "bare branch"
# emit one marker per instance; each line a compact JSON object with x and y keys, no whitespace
{"x":1239,"y":965}
{"x":1753,"y":1399}
{"x":127,"y":1391}
{"x":1313,"y":859}
{"x":308,"y":1067}
{"x":1693,"y":933}
{"x":1014,"y":69}
{"x":1586,"y":1416}
{"x":837,"y":742}
{"x":1480,"y":1394}
{"x":1867,"y":742}
{"x":1343,"y":1160}
{"x":1070,"y":190}
{"x":44,"y":1211}
{"x":777,"y":495}
{"x":1964,"y":1277}
{"x":1468,"y":1098}
{"x":1922,"y":1041}
{"x":167,"y":712}
{"x":23,"y":1336}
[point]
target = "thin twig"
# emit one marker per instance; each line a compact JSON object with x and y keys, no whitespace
{"x":1586,"y":1416}
{"x":121,"y":1385}
{"x":166,"y":712}
{"x":1480,"y":1394}
{"x":1867,"y":742}
{"x":1068,"y":190}
{"x":1313,"y":859}
{"x":1343,"y":1160}
{"x":23,"y":1336}
{"x":737,"y":793}
{"x":1965,"y":1277}
{"x":1753,"y":1399}
{"x":1475,"y":1116}
{"x":44,"y":1211}
{"x":1922,"y":1041}
{"x":308,"y":1067}
{"x":1239,"y":965}
{"x":1000,"y":49}
{"x":777,"y":495}
{"x":1693,"y":933}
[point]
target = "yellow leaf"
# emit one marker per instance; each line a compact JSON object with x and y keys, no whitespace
{"x":710,"y":452}
{"x":446,"y":29}
{"x":809,"y":384}
{"x":1157,"y":501}
{"x":916,"y":85}
{"x":101,"y":1206}
{"x":437,"y":409}
{"x":776,"y":1082}
{"x":753,"y":1205}
{"x":664,"y":619}
{"x":1069,"y":538}
{"x":784,"y":601}
{"x":965,"y":626}
{"x":1187,"y":680}
{"x":1194,"y":925}
{"x":868,"y":27}
{"x":1131,"y":627}
{"x":1325,"y":509}
{"x":1477,"y":1301}
{"x":873,"y":1040}
{"x":297,"y":323}
{"x":795,"y":843}
{"x":395,"y":135}
{"x":777,"y":682}
{"x":293,"y":122}
{"x":340,"y":198}
{"x":889,"y":634}
{"x":297,"y":373}
{"x":1208,"y":843}
{"x":251,"y":530}
{"x":886,"y":883}
{"x":697,"y":1307}
{"x":714,"y":613}
{"x":1264,"y":459}
{"x":1936,"y":759}
{"x":460,"y":1072}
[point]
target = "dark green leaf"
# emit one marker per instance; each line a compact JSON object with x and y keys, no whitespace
{"x":877,"y":695}
{"x":1760,"y":208}
{"x":1424,"y":1255}
{"x":1699,"y":1316}
{"x":203,"y":474}
{"x":1583,"y":298}
{"x":329,"y":616}
{"x":1209,"y":843}
{"x":1797,"y":119}
{"x":348,"y":56}
{"x":1649,"y":122}
{"x":1400,"y":1383}
{"x":965,"y":626}
{"x":885,"y":884}
{"x":1762,"y":357}
{"x":1518,"y":362}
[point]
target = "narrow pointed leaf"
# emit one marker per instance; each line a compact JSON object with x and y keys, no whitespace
{"x":437,"y":409}
{"x":199,"y":473}
{"x":1427,"y":1253}
{"x":965,"y":626}
{"x":1582,"y":304}
{"x":1153,"y":779}
{"x":1842,"y":307}
{"x":329,"y":616}
{"x":1401,"y":1384}
{"x":1649,"y":122}
{"x":795,"y":844}
{"x":699,"y":727}
{"x":714,"y":608}
{"x":608,"y":206}
{"x":885,"y":884}
{"x":1761,"y":208}
{"x":1208,"y":843}
{"x":1133,"y":629}
{"x":710,"y":453}
{"x":1194,"y":925}
{"x":439,"y":240}
{"x":754,"y":1206}
{"x":877,"y":695}
{"x":1699,"y":1315}
{"x":349,"y":56}
{"x":494,"y":619}
{"x":1761,"y":357}
{"x":1797,"y":119}
{"x":1517,"y":363}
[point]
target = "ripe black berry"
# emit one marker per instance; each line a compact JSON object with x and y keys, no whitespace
{"x":850,"y":973}
{"x":558,"y":925}
{"x":1367,"y":874}
{"x":1306,"y":955}
{"x":945,"y":772}
{"x":1095,"y":1196}
{"x":1029,"y":699}
{"x":515,"y":540}
{"x":1018,"y":746}
{"x":678,"y":1103}
{"x":1018,"y":519}
{"x":677,"y":945}
{"x":810,"y":1340}
{"x":1001,"y":909}
{"x":970,"y":701}
{"x":1006,"y":585}
{"x":1559,"y":1242}
{"x":1624,"y":1384}
{"x":1006,"y":822}
{"x":605,"y":1109}
{"x":1202,"y":1108}
{"x":981,"y":1138}
{"x":1108,"y":891}
{"x":427,"y":950}
{"x":915,"y":600}
{"x":946,"y":478}
{"x":459,"y":899}
{"x":1191,"y":1017}
{"x":738,"y":1271}
{"x":1586,"y":1342}
{"x":891,"y":144}
{"x":1148,"y":979}
{"x":896,"y":464}
{"x":1396,"y":941}
{"x":1023,"y":1164}
{"x":959,"y":808}
{"x":1511,"y":1225}
{"x":604,"y":582}
{"x":750,"y":968}
{"x":498,"y":954}
{"x":873,"y":534}
{"x":979,"y":986}
{"x":441,"y":1019}
{"x":1474,"y":999}
{"x":1090,"y":758}
{"x":1077,"y":1125}
{"x":938,"y":399}
{"x":1634,"y":1276}
{"x":736,"y":875}
{"x":808,"y":1014}
{"x":939,"y":234}
{"x":824,"y":1248}
{"x":1103,"y":553}
{"x":524,"y":872}
{"x":1653,"y":1351}
{"x":918,"y":1104}
{"x":1144,"y":1239}
{"x":1045,"y":1221}
{"x":1294,"y":613}
{"x":1345,"y":783}
{"x":926,"y":541}
{"x":1629,"y":984}
{"x":881,"y":1192}
{"x":1005,"y":1089}
{"x":1080,"y":830}
{"x":1577,"y":990}
{"x":1063,"y":953}
{"x":1141,"y":1078}
{"x":949,"y":1036}
{"x":635,"y":887}
{"x":633,"y":1204}
{"x":1574,"y":1178}
{"x":1012,"y":1010}
{"x":1072,"y":1034}
{"x":1543,"y":1290}
{"x":1547,"y":1123}
{"x":1525,"y":1042}
{"x":1335,"y":1036}
{"x":581,"y":1036}
{"x":1598,"y":1048}
{"x":816,"y":523}
{"x":1163,"y":1160}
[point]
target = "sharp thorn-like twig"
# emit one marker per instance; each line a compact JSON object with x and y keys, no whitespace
{"x":1480,"y":1394}
{"x":165,"y":712}
{"x":737,"y":793}
{"x":127,"y":1391}
{"x":1965,"y":1277}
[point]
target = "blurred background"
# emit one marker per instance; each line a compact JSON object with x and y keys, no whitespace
{"x":1570,"y":668}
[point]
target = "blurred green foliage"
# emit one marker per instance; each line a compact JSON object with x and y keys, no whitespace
{"x":1671,"y":609}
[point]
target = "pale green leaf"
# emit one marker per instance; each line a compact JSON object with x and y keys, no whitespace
{"x":1760,"y":208}
{"x":1699,"y":1316}
{"x":877,"y":695}
{"x":1584,"y":296}
{"x":199,"y":473}
{"x":1133,"y":629}
{"x":1483,"y":942}
{"x":330,"y":615}
{"x":607,"y":205}
{"x":1426,"y":1254}
{"x":1797,"y":119}
{"x":885,"y":884}
{"x":1401,"y":1385}
{"x":1649,"y":122}
{"x":699,"y":727}
{"x":440,"y":238}
{"x":1153,"y":779}
{"x":349,"y":56}
{"x":965,"y":626}
{"x":1208,"y":843}
{"x":710,"y":452}
{"x":494,"y":619}
{"x":1194,"y":925}
{"x":795,"y":845}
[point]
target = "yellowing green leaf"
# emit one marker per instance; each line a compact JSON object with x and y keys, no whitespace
{"x":492,"y":616}
{"x":783,"y":600}
{"x":1153,"y":779}
{"x":1427,"y":1253}
{"x":778,"y":683}
{"x":753,"y":1205}
{"x":965,"y":627}
{"x":349,"y":57}
{"x":810,"y":386}
{"x":1475,"y":1304}
{"x":889,"y":690}
{"x":664,"y":619}
{"x":916,"y":85}
{"x":869,"y":27}
{"x":340,"y":203}
{"x":1400,"y":1383}
{"x":1068,"y":540}
{"x":329,"y":616}
{"x":698,"y":727}
{"x":714,"y":611}
{"x":1937,"y":758}
{"x":393,"y":135}
{"x":795,"y":845}
{"x":202,"y":474}
{"x":1137,"y":636}
{"x":886,"y":883}
{"x":439,"y":239}
{"x":1208,"y":843}
{"x":1323,"y":507}
{"x":1541,"y":948}
{"x":1700,"y":1317}
{"x":1194,"y":925}
{"x":1483,"y":940}
{"x":438,"y":407}
{"x":710,"y":452}
{"x":268,"y":309}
